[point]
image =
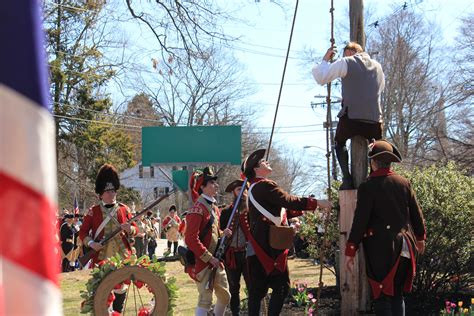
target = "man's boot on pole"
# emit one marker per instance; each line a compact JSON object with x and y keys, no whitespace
{"x":343,"y":159}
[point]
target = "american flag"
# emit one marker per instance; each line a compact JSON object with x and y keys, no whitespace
{"x":76,"y":206}
{"x":29,"y":265}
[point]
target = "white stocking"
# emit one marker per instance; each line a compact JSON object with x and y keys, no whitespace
{"x":219,"y":309}
{"x":200,"y":311}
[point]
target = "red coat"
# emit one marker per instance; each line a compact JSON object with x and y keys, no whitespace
{"x":94,"y":218}
{"x":196,"y":221}
{"x":168,"y":219}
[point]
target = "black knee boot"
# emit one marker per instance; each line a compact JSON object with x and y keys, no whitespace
{"x":343,"y":159}
{"x":175,"y":247}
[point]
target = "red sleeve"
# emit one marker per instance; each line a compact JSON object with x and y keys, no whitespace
{"x":181,"y":227}
{"x":133,"y":224}
{"x":178,"y":220}
{"x":351,"y":249}
{"x":86,"y":226}
{"x":165,"y":221}
{"x":312,"y":204}
{"x":191,"y":238}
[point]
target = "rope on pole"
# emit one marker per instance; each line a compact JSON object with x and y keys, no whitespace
{"x":328,"y":160}
{"x":282,"y":79}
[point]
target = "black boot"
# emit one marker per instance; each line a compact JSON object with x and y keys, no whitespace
{"x":343,"y":159}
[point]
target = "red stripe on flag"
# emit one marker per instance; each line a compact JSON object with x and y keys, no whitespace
{"x":27,"y":237}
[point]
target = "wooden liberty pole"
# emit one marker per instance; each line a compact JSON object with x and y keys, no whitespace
{"x":355,"y":290}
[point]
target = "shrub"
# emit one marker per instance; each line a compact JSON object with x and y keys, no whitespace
{"x":309,"y":230}
{"x":446,"y":197}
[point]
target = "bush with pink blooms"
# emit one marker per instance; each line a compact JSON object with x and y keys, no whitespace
{"x":302,"y":297}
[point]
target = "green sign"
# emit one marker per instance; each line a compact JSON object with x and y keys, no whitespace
{"x":191,"y":145}
{"x":181,"y":179}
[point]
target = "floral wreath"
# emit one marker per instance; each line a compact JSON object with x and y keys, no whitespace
{"x":105,"y":267}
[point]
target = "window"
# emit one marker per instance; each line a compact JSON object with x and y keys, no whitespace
{"x":140,"y":171}
{"x":157,"y":192}
{"x":152,"y":172}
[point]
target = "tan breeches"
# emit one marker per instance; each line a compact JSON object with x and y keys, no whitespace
{"x":221,"y":288}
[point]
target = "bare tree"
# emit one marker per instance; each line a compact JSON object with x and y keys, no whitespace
{"x":206,"y":96}
{"x":183,"y":30}
{"x":411,"y":101}
{"x":456,"y":136}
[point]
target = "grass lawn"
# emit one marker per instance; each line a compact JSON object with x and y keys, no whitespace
{"x":72,"y":283}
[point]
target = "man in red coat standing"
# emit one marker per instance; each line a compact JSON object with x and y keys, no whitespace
{"x":170,"y":226}
{"x":201,"y":237}
{"x":390,"y":225}
{"x":104,"y":218}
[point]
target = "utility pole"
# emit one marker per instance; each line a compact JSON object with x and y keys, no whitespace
{"x":355,"y":290}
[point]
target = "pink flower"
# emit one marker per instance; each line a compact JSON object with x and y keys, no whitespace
{"x":310,"y":311}
{"x":310,"y":295}
{"x":313,"y":301}
{"x":453,"y":305}
{"x":300,"y":289}
{"x":448,"y":303}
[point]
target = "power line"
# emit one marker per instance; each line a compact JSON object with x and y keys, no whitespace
{"x":137,"y":128}
{"x":160,"y":122}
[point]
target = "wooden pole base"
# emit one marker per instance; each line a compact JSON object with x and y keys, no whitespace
{"x":355,"y":296}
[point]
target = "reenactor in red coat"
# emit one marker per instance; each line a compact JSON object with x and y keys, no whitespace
{"x":235,"y":256}
{"x":170,"y":226}
{"x":268,"y":267}
{"x":104,"y":218}
{"x":201,"y":237}
{"x":390,"y":225}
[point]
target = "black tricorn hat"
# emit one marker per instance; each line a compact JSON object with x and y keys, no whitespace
{"x":208,"y":174}
{"x":384,"y":151}
{"x":107,"y":179}
{"x":234,"y":184}
{"x":172,"y":208}
{"x":252,"y":161}
{"x":69,"y":216}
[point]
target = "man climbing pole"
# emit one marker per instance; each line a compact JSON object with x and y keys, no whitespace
{"x":361,"y":114}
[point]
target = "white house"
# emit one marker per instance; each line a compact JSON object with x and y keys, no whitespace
{"x":151,"y":182}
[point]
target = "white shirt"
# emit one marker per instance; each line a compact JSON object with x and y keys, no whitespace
{"x":209,"y":198}
{"x":326,"y":72}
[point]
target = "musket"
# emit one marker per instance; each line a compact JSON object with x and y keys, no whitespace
{"x":220,"y":251}
{"x":88,"y":255}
